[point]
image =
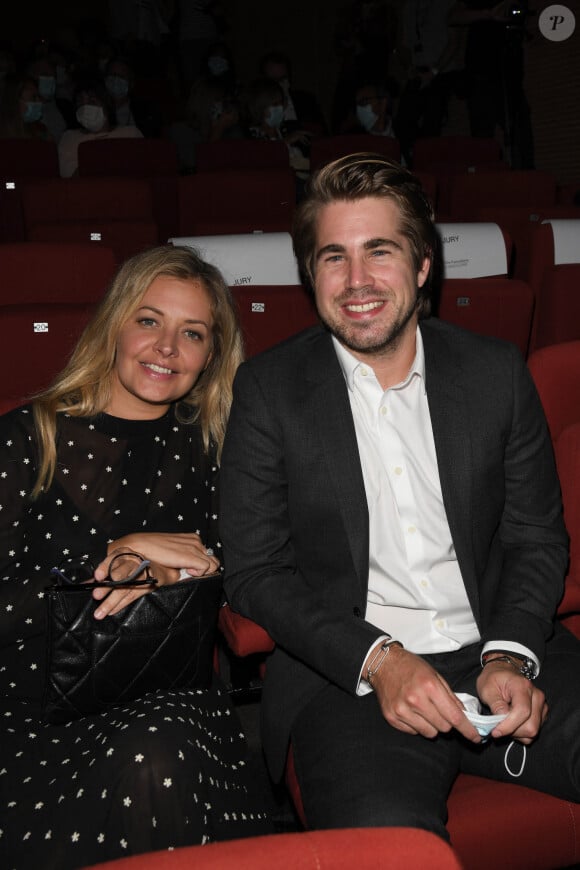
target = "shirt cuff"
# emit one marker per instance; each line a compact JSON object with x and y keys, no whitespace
{"x":363,"y":688}
{"x":509,"y":646}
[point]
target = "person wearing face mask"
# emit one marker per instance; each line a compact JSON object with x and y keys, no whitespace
{"x":198,"y":30}
{"x":54,"y":115}
{"x":265,"y":104}
{"x":21,"y":109}
{"x":218,"y":68}
{"x":373,"y":109}
{"x":301,"y":108}
{"x":211,"y":110}
{"x":130,"y":109}
{"x":95,"y":115}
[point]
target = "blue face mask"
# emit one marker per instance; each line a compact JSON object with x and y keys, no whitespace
{"x":32,"y":112}
{"x":366,"y":117}
{"x":217,"y":65}
{"x":117,"y":86}
{"x":47,"y":87}
{"x":274,"y":116}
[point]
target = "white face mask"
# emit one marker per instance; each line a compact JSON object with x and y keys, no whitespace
{"x":92,"y":118}
{"x":366,"y":117}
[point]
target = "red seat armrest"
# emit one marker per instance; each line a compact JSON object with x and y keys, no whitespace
{"x":243,"y":636}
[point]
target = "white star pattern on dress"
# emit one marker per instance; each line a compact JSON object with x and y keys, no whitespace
{"x":104,"y":468}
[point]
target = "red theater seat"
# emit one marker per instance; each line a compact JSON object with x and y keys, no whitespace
{"x":366,"y":849}
{"x":261,"y":271}
{"x":241,"y":154}
{"x":48,"y":294}
{"x":554,"y":276}
{"x":475,"y":292}
{"x":115,"y":212}
{"x":471,"y":191}
{"x":236,"y":201}
{"x":328,"y":148}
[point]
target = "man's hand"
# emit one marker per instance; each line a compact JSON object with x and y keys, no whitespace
{"x":414,"y":698}
{"x":504,"y":690}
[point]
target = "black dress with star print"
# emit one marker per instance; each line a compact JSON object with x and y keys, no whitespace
{"x":166,"y":770}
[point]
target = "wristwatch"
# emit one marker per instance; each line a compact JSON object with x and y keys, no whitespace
{"x":525,"y":665}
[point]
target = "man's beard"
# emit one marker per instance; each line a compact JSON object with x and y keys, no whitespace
{"x":362,"y":339}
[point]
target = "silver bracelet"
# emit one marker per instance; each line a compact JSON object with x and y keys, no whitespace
{"x":378,"y":659}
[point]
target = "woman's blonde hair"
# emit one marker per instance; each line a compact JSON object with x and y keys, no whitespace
{"x":83,"y":388}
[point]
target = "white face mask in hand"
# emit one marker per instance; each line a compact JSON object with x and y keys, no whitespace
{"x":484,"y":724}
{"x":92,"y":118}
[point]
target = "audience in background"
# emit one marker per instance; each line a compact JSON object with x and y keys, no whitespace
{"x":264,"y":105}
{"x":57,"y":114}
{"x":364,"y":39}
{"x":21,"y":109}
{"x":494,"y":65}
{"x":95,"y":114}
{"x":374,"y":109}
{"x":170,"y":72}
{"x":431,"y":55}
{"x":64,"y":70}
{"x":218,"y":67}
{"x":130,"y":110}
{"x":141,"y":31}
{"x":301,"y":108}
{"x":212,"y":107}
{"x":198,"y":27}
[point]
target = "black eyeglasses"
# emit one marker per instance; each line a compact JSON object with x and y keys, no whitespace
{"x":81,"y":570}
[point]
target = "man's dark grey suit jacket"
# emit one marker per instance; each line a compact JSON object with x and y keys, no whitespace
{"x":294,"y":518}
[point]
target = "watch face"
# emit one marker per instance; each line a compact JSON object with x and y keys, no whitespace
{"x":528,"y":669}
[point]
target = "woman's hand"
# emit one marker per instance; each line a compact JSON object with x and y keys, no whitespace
{"x":174,"y":550}
{"x":167,"y":552}
{"x":120,"y":563}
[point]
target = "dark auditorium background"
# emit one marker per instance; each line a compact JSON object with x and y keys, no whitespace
{"x":305,"y":30}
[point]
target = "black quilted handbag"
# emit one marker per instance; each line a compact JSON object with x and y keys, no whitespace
{"x":162,"y":640}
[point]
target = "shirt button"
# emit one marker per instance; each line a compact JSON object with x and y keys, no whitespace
{"x":364,"y":372}
{"x":398,"y":470}
{"x":383,"y":411}
{"x":440,"y":623}
{"x":412,"y":530}
{"x":424,"y":584}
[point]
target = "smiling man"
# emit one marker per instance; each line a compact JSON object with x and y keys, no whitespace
{"x":391,"y":515}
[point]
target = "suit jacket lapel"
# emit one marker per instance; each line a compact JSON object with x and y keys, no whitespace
{"x":449,"y":407}
{"x":330,"y":410}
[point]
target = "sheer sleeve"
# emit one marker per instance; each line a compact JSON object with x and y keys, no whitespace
{"x":20,"y":587}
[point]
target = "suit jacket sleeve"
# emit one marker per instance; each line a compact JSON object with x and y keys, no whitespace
{"x":499,"y":483}
{"x":532,"y":532}
{"x":288,"y":566}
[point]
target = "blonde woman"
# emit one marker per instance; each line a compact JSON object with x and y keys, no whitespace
{"x":120,"y":453}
